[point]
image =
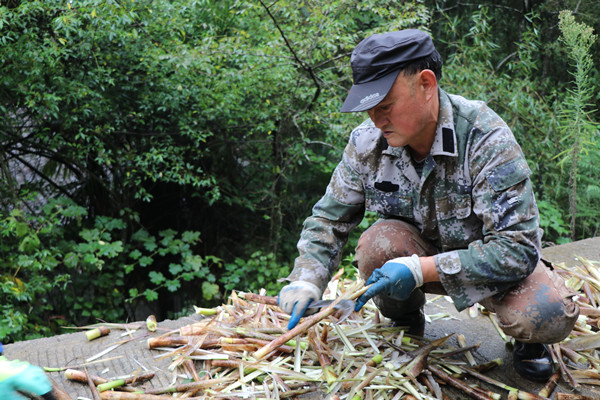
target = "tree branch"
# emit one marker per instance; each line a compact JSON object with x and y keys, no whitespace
{"x":302,"y":64}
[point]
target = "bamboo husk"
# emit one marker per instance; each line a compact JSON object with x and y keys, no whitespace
{"x":131,"y":396}
{"x":304,"y":325}
{"x":368,"y":358}
{"x":569,"y":396}
{"x":563,"y":368}
{"x":93,"y":389}
{"x":488,"y":365}
{"x":458,"y":384}
{"x":184,"y":387}
{"x":257,"y":298}
{"x":58,"y":392}
{"x":328,"y":371}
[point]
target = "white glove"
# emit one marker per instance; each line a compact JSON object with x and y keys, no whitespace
{"x":294,"y":299}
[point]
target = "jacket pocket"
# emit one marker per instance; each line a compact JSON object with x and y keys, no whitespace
{"x":389,"y":203}
{"x":453,"y":206}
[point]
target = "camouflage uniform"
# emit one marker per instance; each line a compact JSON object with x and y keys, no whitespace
{"x":472,"y":202}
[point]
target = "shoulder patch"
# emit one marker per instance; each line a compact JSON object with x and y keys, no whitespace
{"x":508,"y":174}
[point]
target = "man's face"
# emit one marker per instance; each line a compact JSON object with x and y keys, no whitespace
{"x":404,"y":116}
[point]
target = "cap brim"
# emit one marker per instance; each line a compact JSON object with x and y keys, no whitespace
{"x":365,"y":96}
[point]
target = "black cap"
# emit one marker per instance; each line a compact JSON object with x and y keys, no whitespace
{"x":376,"y":62}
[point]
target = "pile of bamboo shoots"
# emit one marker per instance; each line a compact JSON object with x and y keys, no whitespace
{"x":243,"y":350}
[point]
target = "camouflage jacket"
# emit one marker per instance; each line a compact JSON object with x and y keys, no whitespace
{"x":474,"y":201}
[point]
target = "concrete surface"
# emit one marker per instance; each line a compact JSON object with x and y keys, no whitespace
{"x":73,"y":349}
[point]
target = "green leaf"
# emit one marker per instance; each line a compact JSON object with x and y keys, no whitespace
{"x":145,"y":261}
{"x":135,"y":254}
{"x":150,"y":294}
{"x":175,"y":269}
{"x":209,"y":290}
{"x":156,"y":277}
{"x":173,"y":285}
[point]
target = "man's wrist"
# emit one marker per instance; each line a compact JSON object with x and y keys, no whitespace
{"x":429,"y":270}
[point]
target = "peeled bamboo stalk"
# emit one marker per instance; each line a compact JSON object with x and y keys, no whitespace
{"x":303,"y":326}
{"x":548,"y":388}
{"x":239,"y":347}
{"x":184,"y":387}
{"x":489,"y":393}
{"x":110,"y":385}
{"x":513,"y":395}
{"x":117,"y":383}
{"x":80,"y":376}
{"x":166,"y":341}
{"x":462,"y":342}
{"x":283,"y":348}
{"x":151,"y":323}
{"x":97,"y":332}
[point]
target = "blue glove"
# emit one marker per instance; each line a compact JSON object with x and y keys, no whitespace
{"x":396,"y":278}
{"x":24,"y":377}
{"x":295,"y":298}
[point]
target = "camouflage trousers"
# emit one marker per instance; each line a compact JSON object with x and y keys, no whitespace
{"x":540,"y":309}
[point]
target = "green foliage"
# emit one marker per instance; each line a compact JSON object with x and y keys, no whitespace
{"x":531,"y":107}
{"x":160,"y":120}
{"x":553,"y":223}
{"x":53,"y":278}
{"x":29,"y":274}
{"x":578,"y":128}
{"x":260,"y":271}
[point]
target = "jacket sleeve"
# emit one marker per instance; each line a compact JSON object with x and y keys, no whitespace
{"x":504,"y":202}
{"x":326,"y":231}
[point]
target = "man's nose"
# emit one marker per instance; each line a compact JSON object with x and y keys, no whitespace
{"x":379,"y":118}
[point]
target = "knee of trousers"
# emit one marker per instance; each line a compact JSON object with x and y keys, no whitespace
{"x":540,"y":323}
{"x":387,"y":239}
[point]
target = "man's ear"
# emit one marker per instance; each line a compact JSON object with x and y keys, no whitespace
{"x":428,"y":82}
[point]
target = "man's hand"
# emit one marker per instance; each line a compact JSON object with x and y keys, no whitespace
{"x":397,"y":279}
{"x":295,"y":298}
{"x":24,"y":377}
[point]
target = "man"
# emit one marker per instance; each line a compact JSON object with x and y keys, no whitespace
{"x":458,"y":214}
{"x":18,"y":376}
